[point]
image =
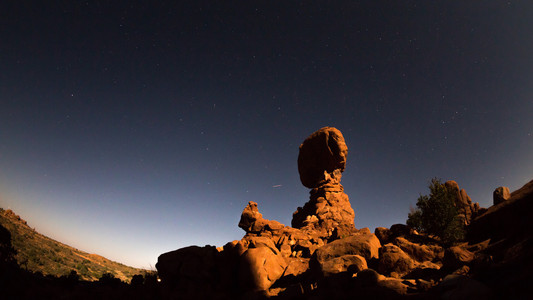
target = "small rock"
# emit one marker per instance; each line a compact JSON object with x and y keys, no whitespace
{"x":394,"y":260}
{"x":500,"y":195}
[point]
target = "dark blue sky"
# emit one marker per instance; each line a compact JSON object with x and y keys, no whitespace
{"x":129,"y":130}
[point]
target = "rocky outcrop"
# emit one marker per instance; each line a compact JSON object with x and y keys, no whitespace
{"x":190,"y":270}
{"x":252,"y":222}
{"x":394,"y":261}
{"x":467,"y":209}
{"x":456,"y":257}
{"x":420,"y":252}
{"x":321,"y":161}
{"x":324,"y":256}
{"x":339,"y":255}
{"x":500,"y":194}
{"x":260,"y":268}
{"x":362,"y":243}
{"x":502,"y":221}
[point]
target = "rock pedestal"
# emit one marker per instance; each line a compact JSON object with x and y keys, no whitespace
{"x":321,"y":161}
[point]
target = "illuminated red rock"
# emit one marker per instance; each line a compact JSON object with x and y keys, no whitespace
{"x":394,"y":262}
{"x":260,"y":268}
{"x":321,"y":161}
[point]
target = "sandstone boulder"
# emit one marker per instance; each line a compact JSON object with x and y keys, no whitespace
{"x":383,"y":234}
{"x":260,"y":268}
{"x":260,"y":241}
{"x":426,"y":271}
{"x":189,"y":270}
{"x":500,"y":194}
{"x":457,"y":256}
{"x":420,"y":252}
{"x":249,"y":216}
{"x":366,"y":245}
{"x":296,"y":267}
{"x":322,"y":157}
{"x":402,"y":230}
{"x":394,"y":262}
{"x":509,"y":219}
{"x":352,"y":263}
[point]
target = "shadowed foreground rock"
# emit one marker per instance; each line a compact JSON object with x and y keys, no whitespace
{"x":323,"y":255}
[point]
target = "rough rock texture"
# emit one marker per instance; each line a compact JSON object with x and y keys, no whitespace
{"x":420,"y":252}
{"x":252,"y":221}
{"x":260,"y":268}
{"x":456,"y":257}
{"x":383,"y":234}
{"x":354,"y":263}
{"x":321,"y":161}
{"x":394,"y":261}
{"x":467,"y":209}
{"x":322,"y":158}
{"x":364,"y":244}
{"x":500,"y":194}
{"x":328,"y":212}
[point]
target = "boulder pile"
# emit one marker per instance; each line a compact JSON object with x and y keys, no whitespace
{"x":323,"y":255}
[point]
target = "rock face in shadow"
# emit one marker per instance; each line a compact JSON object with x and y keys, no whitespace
{"x":324,"y":256}
{"x":502,"y":220}
{"x":467,"y":209}
{"x":500,"y":194}
{"x":322,"y":158}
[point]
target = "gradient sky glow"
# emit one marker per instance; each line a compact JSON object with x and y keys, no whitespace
{"x":132,"y":130}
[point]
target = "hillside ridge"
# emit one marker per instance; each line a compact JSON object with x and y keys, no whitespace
{"x":39,"y":253}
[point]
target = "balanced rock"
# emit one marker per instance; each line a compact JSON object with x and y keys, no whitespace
{"x":501,"y":194}
{"x":321,"y":161}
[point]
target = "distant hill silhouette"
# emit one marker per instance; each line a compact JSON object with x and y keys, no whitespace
{"x":38,"y":253}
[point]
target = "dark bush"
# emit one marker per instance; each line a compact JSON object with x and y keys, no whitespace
{"x":437,"y":215}
{"x":109,"y":279}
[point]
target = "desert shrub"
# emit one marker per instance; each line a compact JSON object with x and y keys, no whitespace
{"x":109,"y":279}
{"x":83,"y":269}
{"x":7,"y":252}
{"x":137,"y":280}
{"x":436,"y":214}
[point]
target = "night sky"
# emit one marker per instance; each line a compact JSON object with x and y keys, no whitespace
{"x":132,"y":130}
